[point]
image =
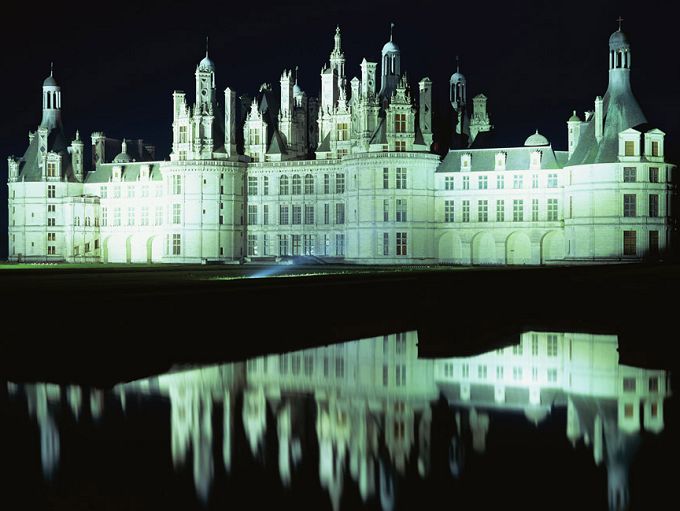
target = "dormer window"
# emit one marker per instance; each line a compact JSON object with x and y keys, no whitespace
{"x":654,"y":148}
{"x":501,"y":158}
{"x":466,"y":162}
{"x":117,"y":173}
{"x":535,"y":160}
{"x":629,"y":144}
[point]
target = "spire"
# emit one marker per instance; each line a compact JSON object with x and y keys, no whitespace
{"x":391,"y":29}
{"x":124,"y":148}
{"x":206,"y":46}
{"x":296,"y":73}
{"x":338,"y":36}
{"x":77,"y":135}
{"x":620,"y":19}
{"x":51,"y":68}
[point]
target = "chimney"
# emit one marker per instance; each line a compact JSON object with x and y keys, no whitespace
{"x":599,"y":119}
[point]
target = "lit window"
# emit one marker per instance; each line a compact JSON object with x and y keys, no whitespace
{"x":628,"y":411}
{"x":629,"y":148}
{"x":343,"y":132}
{"x":655,"y":148}
{"x":51,"y":169}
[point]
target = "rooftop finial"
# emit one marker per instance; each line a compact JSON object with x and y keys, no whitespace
{"x":124,"y":147}
{"x":51,"y":68}
{"x":391,"y":29}
{"x":620,"y":20}
{"x":457,"y":64}
{"x":206,"y":46}
{"x":77,"y":135}
{"x":296,"y":71}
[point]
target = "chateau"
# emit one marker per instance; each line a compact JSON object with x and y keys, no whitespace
{"x":350,"y":176}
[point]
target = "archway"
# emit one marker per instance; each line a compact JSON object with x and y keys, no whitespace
{"x":450,"y":248}
{"x":552,"y":247}
{"x":483,"y":248}
{"x":518,"y":249}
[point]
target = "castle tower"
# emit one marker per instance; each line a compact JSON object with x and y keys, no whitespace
{"x":458,"y":98}
{"x":77,"y":149}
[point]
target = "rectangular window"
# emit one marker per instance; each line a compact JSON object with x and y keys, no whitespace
{"x":517,"y":181}
{"x":534,"y":180}
{"x":283,"y":244}
{"x":500,"y":210}
{"x":481,"y":372}
{"x":500,"y":181}
{"x":400,"y":145}
{"x":51,"y":236}
{"x":534,"y":345}
{"x":629,"y":384}
{"x":182,"y":134}
{"x":116,"y":192}
{"x":103,"y":191}
{"x":628,"y":204}
{"x":130,"y":192}
{"x":517,"y":349}
{"x":629,"y":174}
{"x":466,"y":182}
{"x":309,"y":214}
{"x":629,"y":148}
{"x":51,"y":169}
{"x":252,"y":185}
{"x":265,"y":185}
{"x":386,"y":178}
{"x":176,"y":214}
{"x":386,"y":244}
{"x":252,"y":244}
{"x":653,"y":205}
{"x":343,"y":132}
{"x":552,"y":180}
{"x":265,"y":214}
{"x":176,"y":184}
{"x":252,"y":214}
{"x":517,"y":373}
{"x":534,"y":210}
{"x":386,"y":210}
{"x":283,"y":215}
{"x":265,"y":244}
{"x":145,"y":191}
{"x":400,"y":123}
{"x":654,"y":384}
{"x":339,"y":213}
{"x":158,"y":220}
{"x":176,"y":244}
{"x":145,"y":215}
{"x":552,"y":375}
{"x":401,"y":179}
{"x":297,"y":185}
{"x":629,"y":243}
{"x":51,"y":191}
{"x":51,"y":222}
{"x":339,"y":183}
{"x":326,"y":213}
{"x":401,"y":244}
{"x":517,"y":210}
{"x":483,"y":211}
{"x":448,"y":183}
{"x":653,"y":174}
{"x":326,"y":183}
{"x":339,"y":367}
{"x":116,"y":217}
{"x":655,"y":148}
{"x":297,"y":215}
{"x":339,"y":244}
{"x":308,"y":244}
{"x":654,"y":242}
{"x":401,"y":210}
{"x":466,"y":211}
{"x":499,"y":372}
{"x":295,"y":238}
{"x":131,"y":216}
{"x":552,"y":345}
{"x":465,"y":371}
{"x":448,"y":211}
{"x":552,"y":210}
{"x":482,"y":182}
{"x":283,"y":185}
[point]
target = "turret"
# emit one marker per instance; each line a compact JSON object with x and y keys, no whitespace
{"x":230,"y":122}
{"x":391,"y":68}
{"x":573,"y":132}
{"x":51,"y":108}
{"x":77,"y":150}
{"x":425,"y":110}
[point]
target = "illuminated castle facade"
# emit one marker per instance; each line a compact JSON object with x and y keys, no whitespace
{"x":350,"y":176}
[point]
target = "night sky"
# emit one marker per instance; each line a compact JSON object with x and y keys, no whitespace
{"x":118,"y":62}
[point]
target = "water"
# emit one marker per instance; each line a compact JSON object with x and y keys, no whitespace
{"x":555,"y":421}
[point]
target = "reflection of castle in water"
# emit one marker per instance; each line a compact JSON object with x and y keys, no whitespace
{"x":372,"y":404}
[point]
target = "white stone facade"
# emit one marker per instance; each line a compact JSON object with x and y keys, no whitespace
{"x":350,"y":177}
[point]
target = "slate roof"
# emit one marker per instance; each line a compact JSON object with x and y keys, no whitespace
{"x":621,"y":111}
{"x":485,"y":159}
{"x":131,"y":171}
{"x":56,"y":142}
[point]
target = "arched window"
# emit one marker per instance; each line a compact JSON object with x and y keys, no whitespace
{"x":49,"y":97}
{"x":309,"y":184}
{"x":283,"y":185}
{"x":297,"y":185}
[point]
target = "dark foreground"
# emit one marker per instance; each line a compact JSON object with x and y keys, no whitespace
{"x":101,"y":325}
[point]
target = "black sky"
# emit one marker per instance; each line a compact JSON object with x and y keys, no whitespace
{"x":118,"y":62}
